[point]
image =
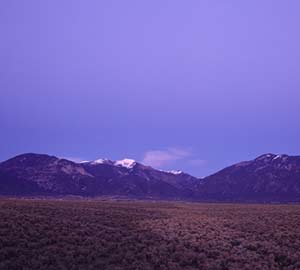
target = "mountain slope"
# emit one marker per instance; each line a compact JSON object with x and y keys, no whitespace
{"x":47,"y":174}
{"x":267,"y":178}
{"x":127,"y":177}
{"x":43,"y":174}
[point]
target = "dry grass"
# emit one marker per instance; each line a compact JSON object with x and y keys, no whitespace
{"x":49,"y":234}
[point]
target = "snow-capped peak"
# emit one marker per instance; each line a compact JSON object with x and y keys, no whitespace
{"x":175,"y":172}
{"x":84,"y":161}
{"x":126,"y":162}
{"x":101,"y":161}
{"x":266,"y":157}
{"x":277,"y":157}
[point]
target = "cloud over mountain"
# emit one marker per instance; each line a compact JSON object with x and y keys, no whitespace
{"x":161,"y":158}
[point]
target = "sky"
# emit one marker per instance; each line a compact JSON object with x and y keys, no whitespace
{"x":186,"y":85}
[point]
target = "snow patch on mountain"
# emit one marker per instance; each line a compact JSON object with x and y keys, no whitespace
{"x":277,"y":157}
{"x":101,"y":161}
{"x":84,"y":161}
{"x":175,"y":172}
{"x":126,"y":162}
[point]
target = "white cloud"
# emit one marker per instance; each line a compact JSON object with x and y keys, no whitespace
{"x":160,"y":158}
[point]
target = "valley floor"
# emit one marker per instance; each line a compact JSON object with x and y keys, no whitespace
{"x":115,"y":235}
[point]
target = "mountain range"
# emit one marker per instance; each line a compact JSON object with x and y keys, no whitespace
{"x":268,"y":178}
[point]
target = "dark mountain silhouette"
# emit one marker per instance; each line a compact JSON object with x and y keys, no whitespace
{"x":31,"y":174}
{"x":268,"y":178}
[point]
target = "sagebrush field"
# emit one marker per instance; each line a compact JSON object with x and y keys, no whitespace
{"x":99,"y":234}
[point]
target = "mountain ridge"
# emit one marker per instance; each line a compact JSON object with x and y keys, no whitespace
{"x":267,"y":178}
{"x":61,"y":176}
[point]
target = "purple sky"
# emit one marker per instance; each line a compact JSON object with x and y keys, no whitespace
{"x":191,"y":85}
